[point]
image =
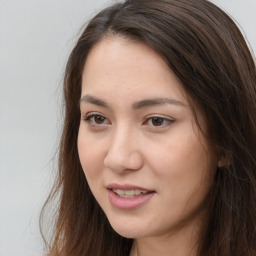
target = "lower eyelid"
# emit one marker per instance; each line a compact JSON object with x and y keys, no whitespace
{"x":170,"y":120}
{"x":88,"y":119}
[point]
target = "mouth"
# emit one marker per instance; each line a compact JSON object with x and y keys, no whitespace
{"x":128,"y":197}
{"x":130,"y":193}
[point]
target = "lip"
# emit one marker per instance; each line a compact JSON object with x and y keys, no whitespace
{"x":128,"y":203}
{"x":127,"y":187}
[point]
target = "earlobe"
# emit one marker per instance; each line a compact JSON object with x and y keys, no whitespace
{"x":224,"y":161}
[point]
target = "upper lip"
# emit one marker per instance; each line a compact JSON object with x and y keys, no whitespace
{"x":127,"y":187}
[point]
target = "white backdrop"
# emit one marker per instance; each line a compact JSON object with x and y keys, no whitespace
{"x":36,"y":37}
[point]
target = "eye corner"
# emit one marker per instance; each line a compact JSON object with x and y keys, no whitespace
{"x":95,"y":119}
{"x":158,"y":121}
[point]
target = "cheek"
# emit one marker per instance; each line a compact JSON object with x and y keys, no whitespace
{"x":184,"y":166}
{"x":90,"y":154}
{"x":176,"y":154}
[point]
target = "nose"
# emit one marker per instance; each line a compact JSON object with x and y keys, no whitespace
{"x":123,"y":153}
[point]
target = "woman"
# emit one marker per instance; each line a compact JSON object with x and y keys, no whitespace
{"x":158,"y":150}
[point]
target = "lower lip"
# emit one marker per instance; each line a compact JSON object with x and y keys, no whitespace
{"x":128,"y":203}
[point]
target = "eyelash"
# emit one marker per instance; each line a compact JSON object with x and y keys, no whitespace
{"x":165,"y":121}
{"x":90,"y":118}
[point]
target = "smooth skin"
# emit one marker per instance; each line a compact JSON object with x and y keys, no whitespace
{"x":137,"y":127}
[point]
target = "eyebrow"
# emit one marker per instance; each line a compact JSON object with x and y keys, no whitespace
{"x":94,"y":100}
{"x":137,"y":105}
{"x":156,"y":101}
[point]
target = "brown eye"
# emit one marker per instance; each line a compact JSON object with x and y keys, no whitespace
{"x":96,"y":119}
{"x":99,"y":119}
{"x":157,"y":121}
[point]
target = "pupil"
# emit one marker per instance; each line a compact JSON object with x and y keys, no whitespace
{"x":99,"y":119}
{"x":157,"y":121}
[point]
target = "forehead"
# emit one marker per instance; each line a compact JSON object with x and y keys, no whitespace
{"x":116,"y":64}
{"x":122,"y":72}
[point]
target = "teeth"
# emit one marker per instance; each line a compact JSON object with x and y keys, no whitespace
{"x":129,"y":193}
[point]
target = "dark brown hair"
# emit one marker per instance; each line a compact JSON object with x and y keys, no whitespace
{"x":207,"y":52}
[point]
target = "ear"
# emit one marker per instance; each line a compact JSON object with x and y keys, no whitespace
{"x":224,"y":160}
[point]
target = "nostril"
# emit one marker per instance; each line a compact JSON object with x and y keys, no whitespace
{"x":120,"y":161}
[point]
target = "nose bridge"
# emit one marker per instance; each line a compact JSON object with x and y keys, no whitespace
{"x":123,"y":152}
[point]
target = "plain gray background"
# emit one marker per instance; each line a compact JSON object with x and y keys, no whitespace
{"x":36,"y":37}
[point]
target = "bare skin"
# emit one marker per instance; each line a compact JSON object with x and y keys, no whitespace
{"x":137,"y":128}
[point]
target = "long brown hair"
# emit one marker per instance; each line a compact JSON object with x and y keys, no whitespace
{"x":207,"y":52}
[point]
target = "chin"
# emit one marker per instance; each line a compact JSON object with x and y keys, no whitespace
{"x":129,"y":230}
{"x":128,"y":233}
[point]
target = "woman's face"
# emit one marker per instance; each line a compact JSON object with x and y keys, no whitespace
{"x":144,"y":158}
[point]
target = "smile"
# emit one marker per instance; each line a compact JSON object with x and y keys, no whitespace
{"x":129,"y":193}
{"x":128,"y":197}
